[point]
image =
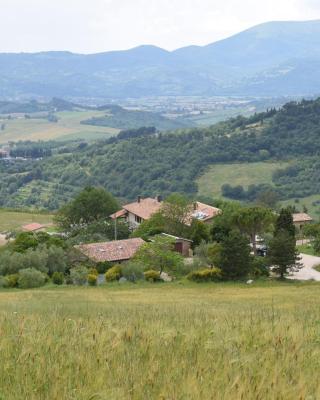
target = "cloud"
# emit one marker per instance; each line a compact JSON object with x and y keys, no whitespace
{"x":100,"y":25}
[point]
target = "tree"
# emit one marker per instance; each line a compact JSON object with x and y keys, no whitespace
{"x":285,"y":222}
{"x":177,"y":214}
{"x":254,"y":221}
{"x":90,"y":205}
{"x":159,"y":255}
{"x":234,"y":257}
{"x":282,"y":253}
{"x":199,"y":232}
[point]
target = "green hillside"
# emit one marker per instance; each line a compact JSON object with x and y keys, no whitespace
{"x":174,"y":162}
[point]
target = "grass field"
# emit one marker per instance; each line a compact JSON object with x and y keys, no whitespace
{"x":11,"y":220}
{"x":161,"y":342}
{"x":68,"y":127}
{"x":236,"y":174}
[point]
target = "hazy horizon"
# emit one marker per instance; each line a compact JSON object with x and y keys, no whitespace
{"x":110,"y":25}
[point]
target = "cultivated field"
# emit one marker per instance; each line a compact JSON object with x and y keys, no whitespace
{"x":236,"y":174}
{"x":161,"y":342}
{"x":68,"y":127}
{"x":11,"y":220}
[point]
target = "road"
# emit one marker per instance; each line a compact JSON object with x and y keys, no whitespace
{"x":307,"y":272}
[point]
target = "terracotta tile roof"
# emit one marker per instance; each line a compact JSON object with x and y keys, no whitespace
{"x":119,"y":250}
{"x":301,"y":217}
{"x":145,"y":208}
{"x":203,"y":212}
{"x":118,"y":214}
{"x":33,"y":227}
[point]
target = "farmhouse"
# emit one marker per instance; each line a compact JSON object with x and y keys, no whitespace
{"x":181,"y":245}
{"x":117,"y":251}
{"x":143,"y":209}
{"x":301,"y":219}
{"x":139,"y":211}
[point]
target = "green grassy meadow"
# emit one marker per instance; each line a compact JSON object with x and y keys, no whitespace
{"x":172,"y":341}
{"x":12,"y":220}
{"x":68,"y":127}
{"x":243,"y":174}
{"x":313,"y":209}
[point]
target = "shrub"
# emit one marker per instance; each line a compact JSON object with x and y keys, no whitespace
{"x":133,"y":271}
{"x":93,"y":271}
{"x":4,"y":282}
{"x":152,"y":275}
{"x":113,"y":274}
{"x":69,"y":280}
{"x":79,"y":275}
{"x":92,"y":279}
{"x":103,"y":267}
{"x":13,"y":280}
{"x":206,"y":275}
{"x":260,"y":267}
{"x":30,"y":278}
{"x":58,"y":278}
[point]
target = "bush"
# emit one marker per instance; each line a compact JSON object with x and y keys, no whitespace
{"x":114,"y":274}
{"x":30,"y":278}
{"x":206,"y":275}
{"x":4,"y":282}
{"x":152,"y":275}
{"x":260,"y":267}
{"x":79,"y":275}
{"x":132,"y":271}
{"x":13,"y":280}
{"x":58,"y":278}
{"x":103,"y":267}
{"x":69,"y":280}
{"x":92,"y":279}
{"x":93,"y":271}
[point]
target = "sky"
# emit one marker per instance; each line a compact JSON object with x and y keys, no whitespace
{"x":90,"y":26}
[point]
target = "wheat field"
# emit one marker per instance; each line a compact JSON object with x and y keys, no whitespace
{"x":175,"y":341}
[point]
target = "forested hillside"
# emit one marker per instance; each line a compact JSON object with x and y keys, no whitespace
{"x":162,"y":163}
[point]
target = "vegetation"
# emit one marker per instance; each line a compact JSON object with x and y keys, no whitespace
{"x":238,"y":335}
{"x":172,"y":162}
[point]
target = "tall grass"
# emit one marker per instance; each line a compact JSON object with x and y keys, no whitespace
{"x":165,"y":342}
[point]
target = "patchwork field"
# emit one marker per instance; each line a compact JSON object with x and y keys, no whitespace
{"x":68,"y":127}
{"x":236,"y":174}
{"x":218,"y":341}
{"x":11,"y":220}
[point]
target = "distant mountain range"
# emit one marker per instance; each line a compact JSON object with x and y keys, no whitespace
{"x":276,"y":58}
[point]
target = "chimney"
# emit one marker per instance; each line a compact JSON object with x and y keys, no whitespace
{"x":139,"y":199}
{"x":159,"y":199}
{"x":195,"y":206}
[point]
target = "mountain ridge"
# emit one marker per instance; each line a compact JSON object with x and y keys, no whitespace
{"x":266,"y":53}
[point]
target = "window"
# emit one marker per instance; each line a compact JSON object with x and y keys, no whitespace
{"x":138,"y":219}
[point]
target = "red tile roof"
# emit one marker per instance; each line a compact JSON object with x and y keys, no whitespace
{"x":301,"y":217}
{"x":203,"y":212}
{"x":119,"y":250}
{"x":144,"y":208}
{"x":33,"y":227}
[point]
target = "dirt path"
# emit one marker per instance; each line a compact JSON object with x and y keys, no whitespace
{"x":307,"y":272}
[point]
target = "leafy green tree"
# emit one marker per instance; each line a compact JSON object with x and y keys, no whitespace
{"x":254,"y":221}
{"x":177,"y":211}
{"x":92,"y":204}
{"x":159,"y":255}
{"x":199,"y":232}
{"x":282,"y":253}
{"x":234,"y":258}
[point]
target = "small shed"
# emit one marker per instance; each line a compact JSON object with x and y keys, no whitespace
{"x":181,"y":245}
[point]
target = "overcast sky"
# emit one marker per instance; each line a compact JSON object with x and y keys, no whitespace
{"x":88,"y":26}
